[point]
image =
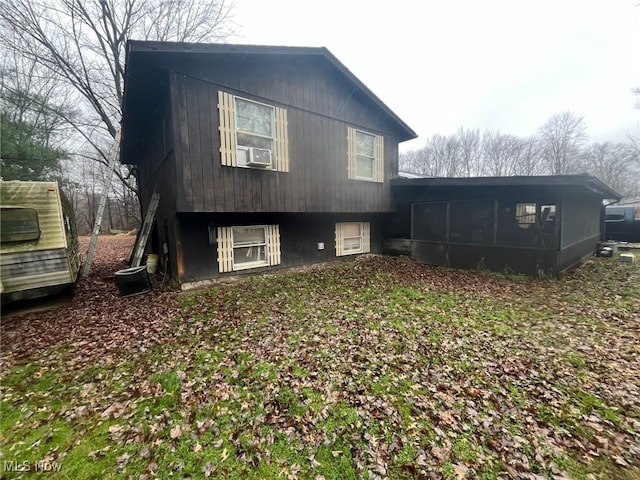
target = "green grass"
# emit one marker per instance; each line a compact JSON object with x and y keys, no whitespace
{"x":377,"y":365}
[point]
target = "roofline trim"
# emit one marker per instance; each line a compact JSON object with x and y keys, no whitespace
{"x":584,"y":180}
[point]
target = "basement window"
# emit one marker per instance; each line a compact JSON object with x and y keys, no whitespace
{"x":248,"y":246}
{"x":19,"y":225}
{"x":352,"y":238}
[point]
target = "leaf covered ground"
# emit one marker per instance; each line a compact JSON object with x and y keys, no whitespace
{"x":370,"y":368}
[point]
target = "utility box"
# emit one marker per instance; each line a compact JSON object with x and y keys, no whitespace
{"x":627,"y":257}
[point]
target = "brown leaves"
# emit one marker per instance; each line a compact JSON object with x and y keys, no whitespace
{"x":381,"y":367}
{"x":175,"y":432}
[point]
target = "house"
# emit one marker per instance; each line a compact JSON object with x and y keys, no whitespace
{"x":541,"y":225}
{"x":263,"y":156}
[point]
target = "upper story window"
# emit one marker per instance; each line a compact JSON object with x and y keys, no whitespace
{"x":365,"y":156}
{"x":252,"y":134}
{"x":255,"y":128}
{"x":19,"y":225}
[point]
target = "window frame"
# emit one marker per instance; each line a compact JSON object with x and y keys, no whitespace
{"x":32,"y":235}
{"x":225,"y":247}
{"x":524,"y":216}
{"x":364,"y":238}
{"x":377,"y":160}
{"x":265,"y":244}
{"x":245,"y":149}
{"x":374,"y":159}
{"x":360,"y":238}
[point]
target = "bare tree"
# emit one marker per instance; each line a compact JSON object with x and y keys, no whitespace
{"x":561,"y":138}
{"x":527,"y":161}
{"x":498,"y":153}
{"x":470,"y":163}
{"x":82,"y":42}
{"x":616,"y":164}
{"x":438,"y":158}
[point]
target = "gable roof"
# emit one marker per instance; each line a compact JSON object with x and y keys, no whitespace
{"x":140,"y":51}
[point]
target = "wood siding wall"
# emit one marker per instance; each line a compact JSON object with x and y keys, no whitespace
{"x":320,"y":106}
{"x":299,"y":237}
{"x":157,"y":168}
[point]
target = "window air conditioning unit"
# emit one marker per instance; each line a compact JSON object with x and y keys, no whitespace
{"x":259,"y":157}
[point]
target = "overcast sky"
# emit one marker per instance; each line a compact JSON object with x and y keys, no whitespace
{"x":503,"y":65}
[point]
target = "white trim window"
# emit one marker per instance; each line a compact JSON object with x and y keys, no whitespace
{"x":353,"y":238}
{"x":255,"y":128}
{"x":248,"y":246}
{"x":252,"y":134}
{"x":365,"y":156}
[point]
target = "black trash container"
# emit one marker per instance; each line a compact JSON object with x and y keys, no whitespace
{"x":132,"y":281}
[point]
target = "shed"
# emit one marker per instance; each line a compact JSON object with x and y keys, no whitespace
{"x":534,"y":225}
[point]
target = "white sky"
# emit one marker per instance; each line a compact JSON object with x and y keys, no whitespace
{"x":503,"y":65}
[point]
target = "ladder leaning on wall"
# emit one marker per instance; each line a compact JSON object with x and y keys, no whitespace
{"x":145,"y":229}
{"x":112,"y":161}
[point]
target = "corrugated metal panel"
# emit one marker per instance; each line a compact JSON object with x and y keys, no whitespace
{"x":47,"y":261}
{"x":27,"y":270}
{"x":44,"y":197}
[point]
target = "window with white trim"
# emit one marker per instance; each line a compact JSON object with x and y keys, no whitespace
{"x":365,"y":155}
{"x":255,"y":127}
{"x":252,"y":134}
{"x":352,"y":238}
{"x":248,"y":246}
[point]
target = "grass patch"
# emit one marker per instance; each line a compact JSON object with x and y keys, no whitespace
{"x":373,"y":367}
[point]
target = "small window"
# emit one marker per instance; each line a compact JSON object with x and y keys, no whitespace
{"x":248,"y":246}
{"x":526,"y":214}
{"x":352,"y":238}
{"x":19,"y":225}
{"x":365,"y":156}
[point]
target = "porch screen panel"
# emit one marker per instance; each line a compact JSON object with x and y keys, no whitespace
{"x":471,"y":221}
{"x":226,"y":112}
{"x":580,"y":220}
{"x":430,"y":222}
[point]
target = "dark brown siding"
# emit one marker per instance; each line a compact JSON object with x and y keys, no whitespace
{"x":299,"y":237}
{"x":157,"y":167}
{"x":320,"y":106}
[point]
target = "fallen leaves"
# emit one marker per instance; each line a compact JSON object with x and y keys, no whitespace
{"x":380,"y":368}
